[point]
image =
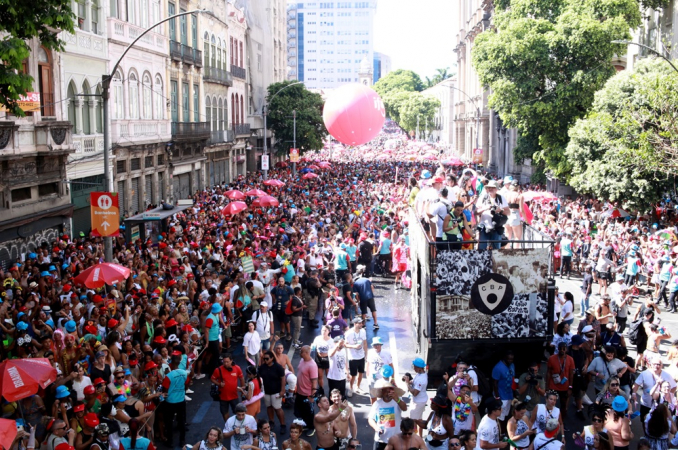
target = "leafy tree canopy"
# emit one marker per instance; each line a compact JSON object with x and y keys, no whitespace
{"x":417,"y":107}
{"x":544,"y":62}
{"x":626,"y":149}
{"x":398,"y":80}
{"x":282,"y":100}
{"x":20,"y":21}
{"x":441,"y":75}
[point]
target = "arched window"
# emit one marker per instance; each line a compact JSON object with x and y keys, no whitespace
{"x":72,"y":107}
{"x":232,"y":110}
{"x":147,"y":91}
{"x":242,"y":110}
{"x":86,"y":117}
{"x":99,"y":113}
{"x":206,"y":48}
{"x":133,"y":91}
{"x":237,"y":108}
{"x":45,"y":82}
{"x":223,"y":55}
{"x":220,"y":114}
{"x":208,"y":111}
{"x":214,"y":51}
{"x":225,"y":114}
{"x":94,"y":12}
{"x":132,"y":12}
{"x":118,"y":101}
{"x":158,"y":110}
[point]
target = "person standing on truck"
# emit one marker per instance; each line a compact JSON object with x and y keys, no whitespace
{"x":487,"y":206}
{"x":502,"y":380}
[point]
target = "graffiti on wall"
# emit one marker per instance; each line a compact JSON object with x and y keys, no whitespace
{"x":12,"y":250}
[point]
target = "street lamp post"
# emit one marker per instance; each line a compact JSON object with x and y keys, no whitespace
{"x":265,"y":114}
{"x":648,"y":48}
{"x":294,"y":140}
{"x":477,"y":116}
{"x":105,"y":95}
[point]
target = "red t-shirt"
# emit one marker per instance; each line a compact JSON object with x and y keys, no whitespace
{"x":230,"y":390}
{"x":563,"y":369}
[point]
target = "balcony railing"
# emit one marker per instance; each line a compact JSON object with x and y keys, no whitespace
{"x":242,"y":129}
{"x":186,"y":54}
{"x":175,"y":50}
{"x":217,"y":75}
{"x":221,"y":137}
{"x":190,"y":130}
{"x":238,"y":72}
{"x":197,"y":57}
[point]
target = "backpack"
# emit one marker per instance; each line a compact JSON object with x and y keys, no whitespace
{"x":637,"y":332}
{"x":484,"y":385}
{"x":288,"y":308}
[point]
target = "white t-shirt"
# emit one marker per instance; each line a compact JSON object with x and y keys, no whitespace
{"x":238,"y":440}
{"x":323,"y":346}
{"x":541,"y":441}
{"x":420,"y":383}
{"x":263,"y":323}
{"x":79,"y":387}
{"x":338,"y":364}
{"x":387,"y":416}
{"x":377,"y":360}
{"x":354,"y":338}
{"x":567,"y":313}
{"x":253,"y":343}
{"x":439,"y":211}
{"x":647,"y":379}
{"x":486,"y":217}
{"x":488,"y":431}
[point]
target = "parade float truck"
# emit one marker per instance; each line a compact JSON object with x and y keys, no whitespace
{"x":473,"y":305}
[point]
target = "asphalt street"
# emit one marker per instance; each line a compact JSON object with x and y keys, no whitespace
{"x":393,"y":314}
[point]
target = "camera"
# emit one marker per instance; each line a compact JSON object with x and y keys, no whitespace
{"x":407,"y":377}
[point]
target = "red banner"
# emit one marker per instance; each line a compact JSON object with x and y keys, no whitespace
{"x":105,"y":213}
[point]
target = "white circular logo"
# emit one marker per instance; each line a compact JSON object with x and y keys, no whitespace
{"x":105,"y":202}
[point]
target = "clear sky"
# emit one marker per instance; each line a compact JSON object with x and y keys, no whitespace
{"x":418,"y":35}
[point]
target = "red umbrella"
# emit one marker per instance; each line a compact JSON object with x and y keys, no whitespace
{"x":234,"y":194}
{"x":234,"y":208}
{"x":324,"y":165}
{"x":309,"y":175}
{"x":21,"y":378}
{"x":275,"y":183}
{"x":313,"y":166}
{"x":267,"y":200}
{"x":453,"y":162}
{"x":8,"y":433}
{"x":100,"y":274}
{"x":255,"y":193}
{"x":281,"y":164}
{"x":256,"y":202}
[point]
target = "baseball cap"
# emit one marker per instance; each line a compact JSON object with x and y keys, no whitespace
{"x":552,"y":426}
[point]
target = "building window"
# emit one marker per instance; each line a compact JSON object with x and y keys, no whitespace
{"x":159,"y":99}
{"x":148,"y":162}
{"x":81,"y":9}
{"x":132,"y":12}
{"x":118,"y":101}
{"x":184,"y":102}
{"x":99,"y":112}
{"x":133,"y":87}
{"x":225,"y":114}
{"x":121,"y":166}
{"x":206,"y":49}
{"x":219,"y":115}
{"x":143,"y":13}
{"x":136,"y":163}
{"x":85,"y":104}
{"x":48,"y":189}
{"x":208,"y":112}
{"x":214,"y":51}
{"x":21,"y":194}
{"x":94,"y":12}
{"x":147,"y":89}
{"x":155,"y":15}
{"x":171,"y":10}
{"x":161,"y":160}
{"x":72,"y":107}
{"x":196,"y":103}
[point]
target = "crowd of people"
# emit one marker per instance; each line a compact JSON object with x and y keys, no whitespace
{"x":127,"y":356}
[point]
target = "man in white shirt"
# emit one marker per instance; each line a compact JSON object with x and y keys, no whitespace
{"x":376,"y":360}
{"x":647,"y":379}
{"x":484,"y":205}
{"x":385,"y":414}
{"x":356,"y":343}
{"x":417,"y":388}
{"x":241,"y":428}
{"x":264,"y":325}
{"x":488,"y":431}
{"x":437,"y":213}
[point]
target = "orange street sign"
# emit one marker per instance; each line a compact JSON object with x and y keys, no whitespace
{"x":105,"y":213}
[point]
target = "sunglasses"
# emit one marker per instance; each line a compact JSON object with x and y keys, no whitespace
{"x":407,"y":434}
{"x":597,"y":420}
{"x":455,"y":444}
{"x":267,"y":359}
{"x":614,"y":384}
{"x":61,"y":428}
{"x":120,"y":377}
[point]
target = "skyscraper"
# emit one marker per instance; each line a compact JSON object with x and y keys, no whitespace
{"x":328,"y":41}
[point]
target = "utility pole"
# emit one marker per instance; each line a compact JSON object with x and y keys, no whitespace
{"x":266,"y":129}
{"x":105,"y":95}
{"x":294,"y":141}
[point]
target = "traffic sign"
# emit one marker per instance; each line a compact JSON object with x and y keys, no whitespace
{"x":264,"y":162}
{"x":477,"y":156}
{"x":294,"y":155}
{"x":105,"y":213}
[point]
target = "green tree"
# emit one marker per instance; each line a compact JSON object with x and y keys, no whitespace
{"x":310,"y":126}
{"x":625,"y":149}
{"x":398,"y":80}
{"x":418,"y":106}
{"x":441,"y":75}
{"x":544,"y":62}
{"x":20,"y":21}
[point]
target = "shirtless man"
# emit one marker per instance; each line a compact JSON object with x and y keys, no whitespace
{"x":294,"y":442}
{"x":344,"y":426}
{"x":407,"y":439}
{"x":322,"y":421}
{"x":282,"y":359}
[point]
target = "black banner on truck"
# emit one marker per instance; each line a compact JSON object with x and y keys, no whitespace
{"x":491,"y":294}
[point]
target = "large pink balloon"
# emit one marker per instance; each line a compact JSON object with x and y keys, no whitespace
{"x":354,"y":114}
